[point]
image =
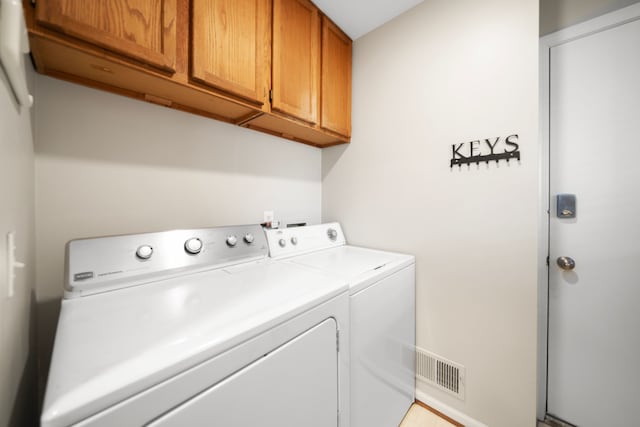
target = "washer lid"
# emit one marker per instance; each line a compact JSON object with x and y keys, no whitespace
{"x":113,"y":345}
{"x":358,"y":266}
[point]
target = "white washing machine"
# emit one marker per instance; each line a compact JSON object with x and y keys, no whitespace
{"x":197,"y":328}
{"x":382,"y":315}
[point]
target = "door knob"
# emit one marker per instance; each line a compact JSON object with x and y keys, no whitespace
{"x":566,"y":263}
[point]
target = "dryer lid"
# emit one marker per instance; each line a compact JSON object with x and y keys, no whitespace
{"x":347,"y":261}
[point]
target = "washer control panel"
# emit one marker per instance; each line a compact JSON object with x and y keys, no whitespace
{"x":107,"y":263}
{"x":285,"y":242}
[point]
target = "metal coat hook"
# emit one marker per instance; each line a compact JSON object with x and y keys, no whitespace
{"x":486,"y":158}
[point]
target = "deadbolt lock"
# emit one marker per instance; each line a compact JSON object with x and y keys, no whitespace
{"x":566,"y":205}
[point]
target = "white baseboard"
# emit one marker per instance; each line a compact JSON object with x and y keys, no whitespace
{"x":447,"y":410}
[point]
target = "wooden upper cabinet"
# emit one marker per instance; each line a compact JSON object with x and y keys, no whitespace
{"x":144,"y":30}
{"x":277,"y":66}
{"x":336,"y":79}
{"x":231,"y":46}
{"x":296,"y":59}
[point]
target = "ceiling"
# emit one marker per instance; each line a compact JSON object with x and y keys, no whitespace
{"x":358,"y":17}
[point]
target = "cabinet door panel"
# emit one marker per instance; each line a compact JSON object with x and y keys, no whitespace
{"x":296,"y":59}
{"x":144,"y":30}
{"x":231,"y":46}
{"x":336,"y":79}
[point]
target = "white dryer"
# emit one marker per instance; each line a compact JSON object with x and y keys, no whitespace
{"x":196,"y":328}
{"x":382,"y":315}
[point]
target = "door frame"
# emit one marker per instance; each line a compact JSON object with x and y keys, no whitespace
{"x":595,"y":25}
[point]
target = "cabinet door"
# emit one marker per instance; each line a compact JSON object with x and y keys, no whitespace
{"x":231,"y":46}
{"x":296,"y":59}
{"x":144,"y":30}
{"x":336,"y":79}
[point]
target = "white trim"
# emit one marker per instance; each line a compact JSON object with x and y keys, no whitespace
{"x":601,"y":23}
{"x":595,"y":25}
{"x":447,"y":410}
{"x":543,"y":232}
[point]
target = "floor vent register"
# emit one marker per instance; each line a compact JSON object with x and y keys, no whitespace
{"x":440,"y":372}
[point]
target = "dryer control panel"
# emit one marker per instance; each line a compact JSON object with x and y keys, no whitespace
{"x":106,"y":263}
{"x":284,"y":242}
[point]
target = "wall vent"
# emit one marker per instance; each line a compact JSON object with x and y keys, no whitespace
{"x":440,"y":372}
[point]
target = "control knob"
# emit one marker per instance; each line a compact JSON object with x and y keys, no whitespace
{"x":193,"y":245}
{"x":282,"y":243}
{"x":231,"y":241}
{"x":333,"y":234}
{"x":144,"y":252}
{"x":248,"y":238}
{"x":294,"y":240}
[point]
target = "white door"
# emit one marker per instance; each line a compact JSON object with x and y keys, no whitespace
{"x":295,"y":385}
{"x":594,"y":309}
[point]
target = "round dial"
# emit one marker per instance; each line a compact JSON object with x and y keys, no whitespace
{"x":333,"y":234}
{"x":193,"y":245}
{"x":144,"y":252}
{"x":294,"y":240}
{"x":282,"y":243}
{"x":248,"y":238}
{"x":232,"y":240}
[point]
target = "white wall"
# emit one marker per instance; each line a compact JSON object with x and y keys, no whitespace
{"x":107,"y":164}
{"x":443,"y":73}
{"x":558,"y":14}
{"x":17,"y":358}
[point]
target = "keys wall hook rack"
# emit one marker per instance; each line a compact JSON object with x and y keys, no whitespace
{"x":485,"y":150}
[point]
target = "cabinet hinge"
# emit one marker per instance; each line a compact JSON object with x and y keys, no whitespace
{"x":270,"y":95}
{"x":547,"y":260}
